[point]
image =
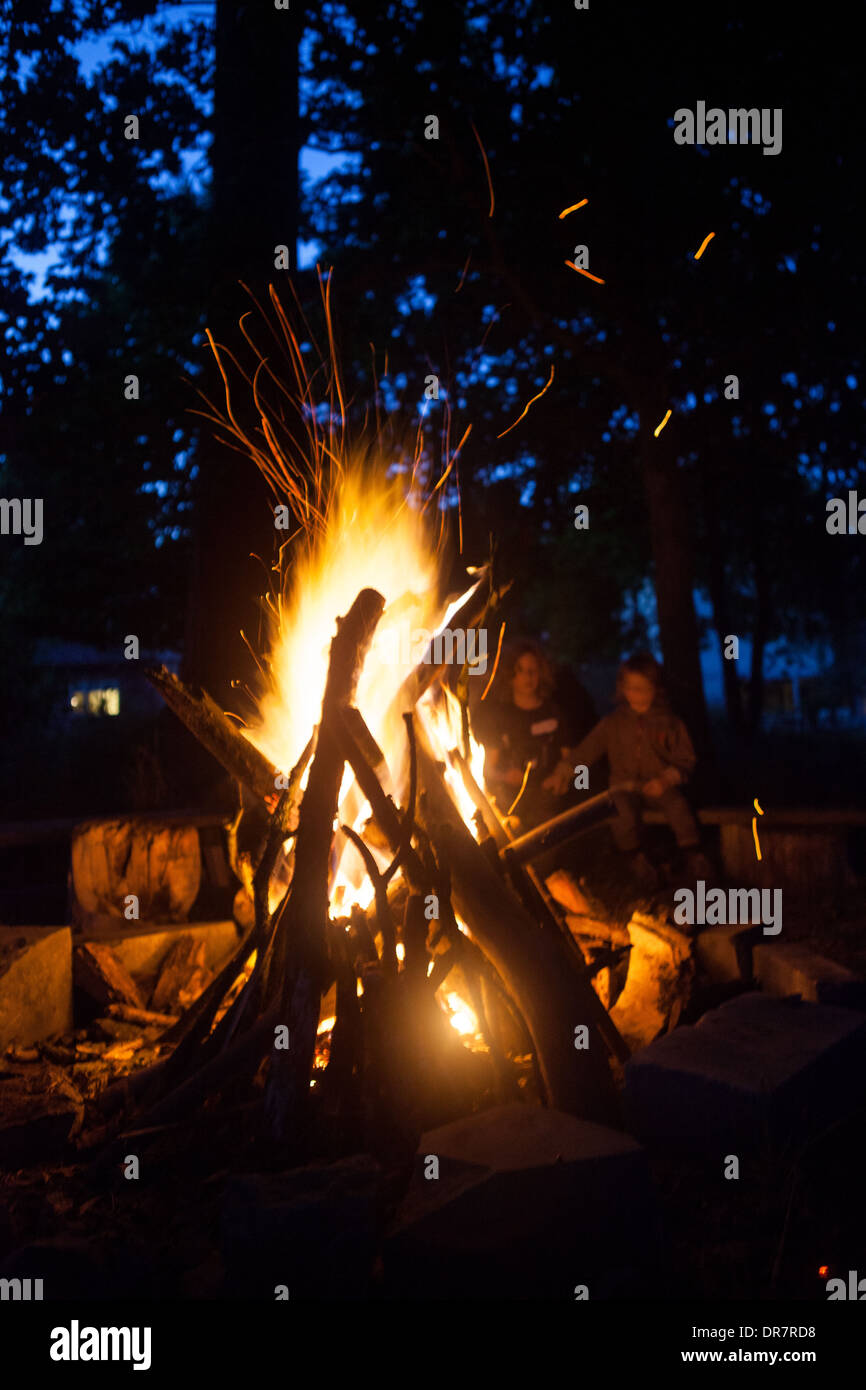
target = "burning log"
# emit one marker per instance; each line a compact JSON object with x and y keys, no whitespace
{"x":300,"y":965}
{"x":216,"y":732}
{"x":389,"y":1040}
{"x":479,"y":602}
{"x":540,"y":971}
{"x":575,"y":821}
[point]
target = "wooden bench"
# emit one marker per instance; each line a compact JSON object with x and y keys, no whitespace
{"x":802,"y":848}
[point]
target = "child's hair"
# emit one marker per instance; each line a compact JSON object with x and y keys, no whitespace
{"x":641,"y":664}
{"x":546,"y":679}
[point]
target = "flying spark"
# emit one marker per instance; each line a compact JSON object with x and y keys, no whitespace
{"x":565,"y":211}
{"x":704,"y":244}
{"x":572,"y":266}
{"x":528,"y":404}
{"x":658,"y":429}
{"x":755,"y":829}
{"x":495,"y":662}
{"x":486,"y":167}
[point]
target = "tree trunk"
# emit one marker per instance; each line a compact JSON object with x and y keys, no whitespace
{"x":254,"y":210}
{"x":759,"y":637}
{"x":718,"y":587}
{"x":670,"y":528}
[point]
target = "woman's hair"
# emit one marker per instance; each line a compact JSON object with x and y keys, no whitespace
{"x":641,"y":664}
{"x":546,"y":678}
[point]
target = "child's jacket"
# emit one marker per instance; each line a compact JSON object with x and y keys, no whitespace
{"x":641,"y":747}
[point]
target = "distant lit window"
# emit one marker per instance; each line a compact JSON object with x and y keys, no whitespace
{"x":103,"y":700}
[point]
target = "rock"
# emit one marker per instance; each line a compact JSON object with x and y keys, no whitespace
{"x":724,"y":954}
{"x":529,"y":1203}
{"x":159,"y":863}
{"x":144,"y":947}
{"x":98,"y":972}
{"x":794,"y":969}
{"x":754,"y":1068}
{"x":35,"y":983}
{"x":313,"y":1229}
{"x":658,"y":985}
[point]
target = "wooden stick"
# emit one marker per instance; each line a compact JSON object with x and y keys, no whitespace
{"x":128,"y":1014}
{"x":384,"y":920}
{"x":542,"y":975}
{"x":203,"y":717}
{"x":575,"y":821}
{"x":384,"y":810}
{"x":300,"y":962}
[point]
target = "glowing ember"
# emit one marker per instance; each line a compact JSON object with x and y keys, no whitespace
{"x":546,"y":385}
{"x":580,"y":271}
{"x":703,"y":246}
{"x":755,"y":829}
{"x":658,"y":429}
{"x":565,"y":211}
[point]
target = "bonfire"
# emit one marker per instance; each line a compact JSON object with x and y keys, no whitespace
{"x":402,"y":962}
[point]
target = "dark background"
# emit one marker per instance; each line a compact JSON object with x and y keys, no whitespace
{"x":261,"y":127}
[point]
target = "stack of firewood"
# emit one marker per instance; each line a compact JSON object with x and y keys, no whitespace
{"x":394,"y":1065}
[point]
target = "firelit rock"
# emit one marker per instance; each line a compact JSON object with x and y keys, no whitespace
{"x":659,"y":980}
{"x":754,"y":1068}
{"x":529,"y":1203}
{"x":35,"y":983}
{"x":794,"y":969}
{"x":142,"y":946}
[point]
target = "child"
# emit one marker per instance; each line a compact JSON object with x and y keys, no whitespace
{"x":646,"y":744}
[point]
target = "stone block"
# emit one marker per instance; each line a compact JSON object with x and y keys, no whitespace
{"x":529,"y":1203}
{"x":35,"y":983}
{"x":142,"y":947}
{"x":753,"y":1070}
{"x":794,"y":969}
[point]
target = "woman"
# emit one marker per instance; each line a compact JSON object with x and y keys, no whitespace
{"x":530,"y":730}
{"x":529,"y":741}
